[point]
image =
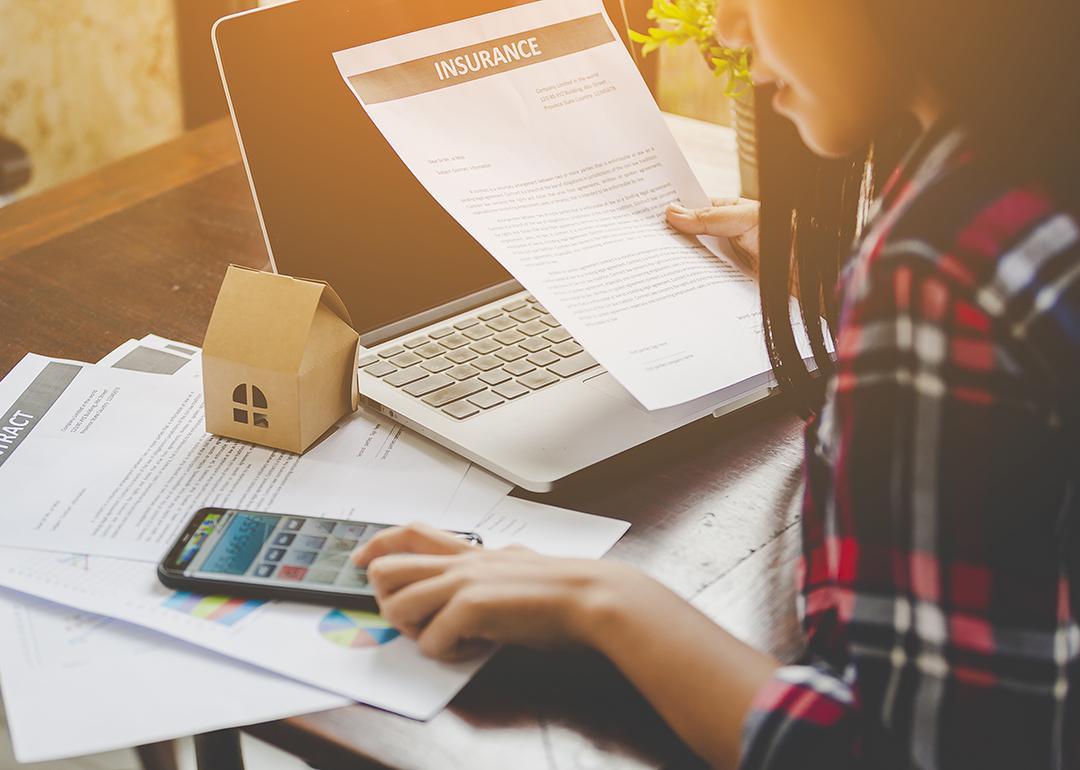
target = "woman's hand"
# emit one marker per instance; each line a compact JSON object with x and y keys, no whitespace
{"x":454,"y":598}
{"x":736,"y":219}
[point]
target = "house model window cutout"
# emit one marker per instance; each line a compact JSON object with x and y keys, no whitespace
{"x":257,"y":401}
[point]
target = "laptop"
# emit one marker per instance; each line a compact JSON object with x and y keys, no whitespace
{"x":452,"y":346}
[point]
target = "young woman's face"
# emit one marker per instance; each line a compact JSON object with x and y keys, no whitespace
{"x":834,"y":81}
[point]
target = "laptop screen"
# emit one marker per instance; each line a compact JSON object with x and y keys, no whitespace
{"x":336,"y":203}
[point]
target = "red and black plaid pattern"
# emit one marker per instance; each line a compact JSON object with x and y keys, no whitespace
{"x":940,"y":548}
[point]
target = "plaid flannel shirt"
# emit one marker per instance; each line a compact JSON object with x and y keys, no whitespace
{"x":939,"y":575}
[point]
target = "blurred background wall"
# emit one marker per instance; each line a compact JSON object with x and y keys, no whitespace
{"x":87,"y":82}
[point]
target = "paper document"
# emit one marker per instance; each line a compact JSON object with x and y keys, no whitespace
{"x":113,"y":462}
{"x":533,"y":129}
{"x":155,"y":355}
{"x":346,"y":651}
{"x":77,"y":683}
{"x":350,"y":653}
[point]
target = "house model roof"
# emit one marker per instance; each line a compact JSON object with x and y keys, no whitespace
{"x":265,"y":321}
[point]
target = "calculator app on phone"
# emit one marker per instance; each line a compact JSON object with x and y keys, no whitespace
{"x":274,"y":549}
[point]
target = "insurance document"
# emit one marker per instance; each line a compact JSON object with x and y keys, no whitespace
{"x":532,"y":127}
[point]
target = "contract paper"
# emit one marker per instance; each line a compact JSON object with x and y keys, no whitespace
{"x":533,"y":129}
{"x":78,"y":683}
{"x":349,"y":653}
{"x":113,"y":462}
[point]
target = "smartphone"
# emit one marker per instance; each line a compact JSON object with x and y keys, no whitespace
{"x":273,"y":556}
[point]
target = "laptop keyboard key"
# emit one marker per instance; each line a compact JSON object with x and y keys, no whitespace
{"x":543,"y":358}
{"x":367,"y":360}
{"x":454,"y":393}
{"x":407,"y":358}
{"x":405,"y":376}
{"x":512,"y":353}
{"x":510,"y":337}
{"x":519,"y":368}
{"x":415,"y":342}
{"x":538,"y":379}
{"x":430,"y":350}
{"x":465,"y":323}
{"x":532,"y":328}
{"x":479,"y":332}
{"x":517,"y":304}
{"x":428,"y":385}
{"x":549,"y":320}
{"x":461,"y":409}
{"x":567,"y":349}
{"x":380,"y":369}
{"x":494,"y":377}
{"x":454,"y":341}
{"x":535,"y":344}
{"x":438,"y":334}
{"x":463,"y":372}
{"x":391,"y":351}
{"x":558,"y":334}
{"x":487,"y":363}
{"x":461,"y":356}
{"x":487,"y":315}
{"x":501,"y":324}
{"x":437,"y":365}
{"x":486,"y":400}
{"x":510,"y":390}
{"x":568,"y":367}
{"x":525,"y":314}
{"x":483,"y":347}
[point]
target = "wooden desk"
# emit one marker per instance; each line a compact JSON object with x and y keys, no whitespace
{"x":142,"y":246}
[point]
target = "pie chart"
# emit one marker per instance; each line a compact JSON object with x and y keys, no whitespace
{"x":355,"y":628}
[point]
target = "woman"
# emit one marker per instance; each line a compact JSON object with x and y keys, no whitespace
{"x":939,"y":573}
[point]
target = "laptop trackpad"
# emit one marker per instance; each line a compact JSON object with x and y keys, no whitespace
{"x":609,"y":386}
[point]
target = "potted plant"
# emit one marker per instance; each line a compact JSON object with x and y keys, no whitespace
{"x":694,"y":21}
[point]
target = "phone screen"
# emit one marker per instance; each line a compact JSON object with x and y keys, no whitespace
{"x":273,"y":549}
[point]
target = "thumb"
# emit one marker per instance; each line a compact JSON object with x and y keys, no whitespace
{"x":726,"y":220}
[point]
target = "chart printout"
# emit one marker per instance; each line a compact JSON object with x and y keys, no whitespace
{"x":532,"y":127}
{"x":349,"y":653}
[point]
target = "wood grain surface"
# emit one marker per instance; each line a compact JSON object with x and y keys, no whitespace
{"x":142,"y":248}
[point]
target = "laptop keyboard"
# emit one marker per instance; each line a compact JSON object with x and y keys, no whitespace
{"x":478,"y":363}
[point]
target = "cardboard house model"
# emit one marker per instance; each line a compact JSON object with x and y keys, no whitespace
{"x":279,"y":360}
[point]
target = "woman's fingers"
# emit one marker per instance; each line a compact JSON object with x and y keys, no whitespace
{"x":410,"y":608}
{"x":727,"y":218}
{"x":414,"y":538}
{"x":457,"y":631}
{"x":389,"y":574}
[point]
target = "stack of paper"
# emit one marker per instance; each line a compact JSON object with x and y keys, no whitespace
{"x":101,"y":465}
